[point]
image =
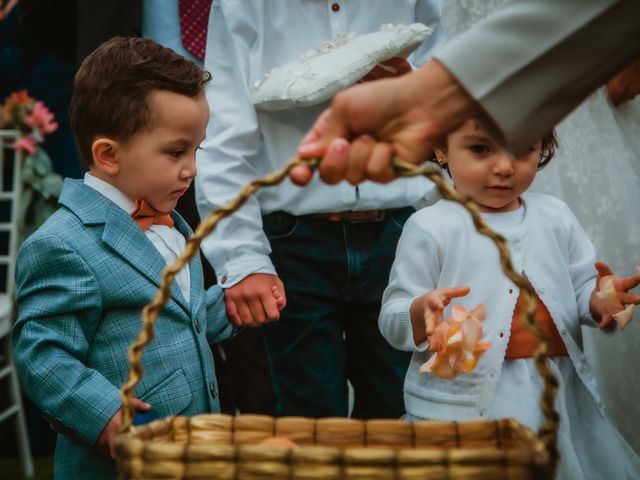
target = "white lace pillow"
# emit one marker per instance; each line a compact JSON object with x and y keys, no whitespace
{"x":322,"y":73}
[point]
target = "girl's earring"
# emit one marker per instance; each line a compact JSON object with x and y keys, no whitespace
{"x":441,"y":162}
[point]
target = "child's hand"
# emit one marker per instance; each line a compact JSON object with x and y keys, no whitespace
{"x":426,"y":311}
{"x":252,"y":302}
{"x":281,"y":302}
{"x":105,"y":445}
{"x":608,"y":303}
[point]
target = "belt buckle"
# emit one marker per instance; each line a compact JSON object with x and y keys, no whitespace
{"x":381,"y":215}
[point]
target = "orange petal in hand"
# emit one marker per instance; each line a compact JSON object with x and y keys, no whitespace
{"x":456,"y":344}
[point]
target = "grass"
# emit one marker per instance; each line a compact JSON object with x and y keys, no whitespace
{"x":10,"y":468}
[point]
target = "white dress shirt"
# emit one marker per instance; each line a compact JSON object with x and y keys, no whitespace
{"x":167,"y":240}
{"x":246,"y":39}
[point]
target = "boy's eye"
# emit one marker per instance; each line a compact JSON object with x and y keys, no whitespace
{"x":176,"y":153}
{"x":480,"y":149}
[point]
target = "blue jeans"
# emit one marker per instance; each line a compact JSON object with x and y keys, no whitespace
{"x":334,"y":275}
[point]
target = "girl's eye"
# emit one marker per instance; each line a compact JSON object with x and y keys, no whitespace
{"x":176,"y":153}
{"x":480,"y":149}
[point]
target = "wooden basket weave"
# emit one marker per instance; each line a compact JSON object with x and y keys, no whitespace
{"x":220,"y":446}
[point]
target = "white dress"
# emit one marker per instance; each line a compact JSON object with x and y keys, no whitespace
{"x":596,"y":171}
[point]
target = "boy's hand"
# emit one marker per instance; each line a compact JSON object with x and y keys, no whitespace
{"x":601,"y":310}
{"x":426,"y":311}
{"x":252,"y":302}
{"x":105,"y":445}
{"x":281,"y":302}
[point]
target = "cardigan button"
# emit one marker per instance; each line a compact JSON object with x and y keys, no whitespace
{"x":335,"y":7}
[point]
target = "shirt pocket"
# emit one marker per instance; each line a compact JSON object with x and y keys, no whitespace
{"x":435,"y":395}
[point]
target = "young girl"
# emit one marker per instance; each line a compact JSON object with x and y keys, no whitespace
{"x":441,"y":259}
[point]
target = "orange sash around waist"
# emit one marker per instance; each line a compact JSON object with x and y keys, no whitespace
{"x":522,"y":343}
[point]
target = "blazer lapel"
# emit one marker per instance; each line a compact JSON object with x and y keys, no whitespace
{"x":126,"y":238}
{"x":196,"y":277}
{"x":120,"y":233}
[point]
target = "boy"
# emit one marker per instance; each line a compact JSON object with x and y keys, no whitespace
{"x":138,"y":113}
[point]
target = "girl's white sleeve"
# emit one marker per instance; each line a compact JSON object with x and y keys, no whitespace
{"x":414,"y":272}
{"x":582,"y":259}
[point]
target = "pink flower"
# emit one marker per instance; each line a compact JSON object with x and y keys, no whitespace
{"x":42,"y":119}
{"x":457,"y":343}
{"x":25,"y":144}
{"x":18,"y":99}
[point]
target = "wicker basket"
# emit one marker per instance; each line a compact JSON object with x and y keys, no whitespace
{"x":226,"y":447}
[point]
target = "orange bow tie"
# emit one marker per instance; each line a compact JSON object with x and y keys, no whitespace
{"x":145,"y":216}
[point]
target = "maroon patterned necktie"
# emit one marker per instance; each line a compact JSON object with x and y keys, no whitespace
{"x":194,"y":17}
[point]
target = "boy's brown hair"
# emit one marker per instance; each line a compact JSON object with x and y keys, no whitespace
{"x":111,"y":88}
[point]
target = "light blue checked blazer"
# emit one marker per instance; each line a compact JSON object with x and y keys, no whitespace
{"x":81,"y":282}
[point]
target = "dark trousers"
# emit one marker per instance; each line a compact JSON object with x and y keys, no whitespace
{"x":334,"y":275}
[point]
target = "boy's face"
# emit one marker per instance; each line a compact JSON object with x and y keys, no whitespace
{"x":158,"y":164}
{"x":485,"y":172}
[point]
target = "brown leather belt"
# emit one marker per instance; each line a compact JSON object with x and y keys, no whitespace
{"x":356,"y":216}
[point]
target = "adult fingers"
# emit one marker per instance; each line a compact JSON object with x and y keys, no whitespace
{"x":300,"y":175}
{"x":379,"y":167}
{"x":361,"y":149}
{"x":311,"y":146}
{"x":246,"y":319}
{"x":232,"y":311}
{"x":256,"y":307}
{"x":335,"y":162}
{"x":270,"y":308}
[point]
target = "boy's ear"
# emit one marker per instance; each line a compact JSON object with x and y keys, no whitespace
{"x":105,"y":156}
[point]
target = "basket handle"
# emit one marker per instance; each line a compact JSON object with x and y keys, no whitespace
{"x":549,"y":429}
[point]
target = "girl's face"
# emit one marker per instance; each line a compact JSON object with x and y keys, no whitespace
{"x":485,"y":172}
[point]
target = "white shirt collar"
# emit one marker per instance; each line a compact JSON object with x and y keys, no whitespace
{"x":109,"y":191}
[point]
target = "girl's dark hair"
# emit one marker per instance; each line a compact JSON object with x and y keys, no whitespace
{"x":547,"y":149}
{"x":111,"y":88}
{"x":549,"y":143}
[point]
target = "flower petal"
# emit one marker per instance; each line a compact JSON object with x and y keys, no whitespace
{"x":623,"y":317}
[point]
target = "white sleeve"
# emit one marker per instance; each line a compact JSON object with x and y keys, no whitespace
{"x":545,"y":56}
{"x":238,"y":246}
{"x":415,"y":272}
{"x":582,"y":259}
{"x":429,"y":13}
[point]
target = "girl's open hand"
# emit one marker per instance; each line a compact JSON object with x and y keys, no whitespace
{"x":426,"y":310}
{"x":611,"y":299}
